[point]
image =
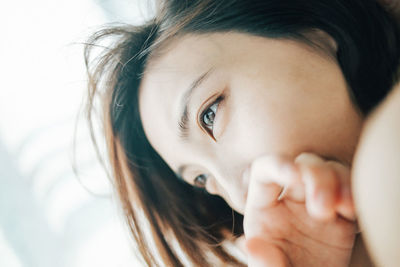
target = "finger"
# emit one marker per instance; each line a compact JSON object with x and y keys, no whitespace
{"x":265,"y":187}
{"x":263,"y":254}
{"x":345,"y":204}
{"x":274,"y":173}
{"x":321,"y":185}
{"x":321,"y":192}
{"x":260,"y":198}
{"x":262,"y":195}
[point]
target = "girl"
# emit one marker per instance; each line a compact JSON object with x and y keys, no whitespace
{"x":229,"y":118}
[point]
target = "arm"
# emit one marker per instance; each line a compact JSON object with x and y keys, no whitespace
{"x":376,"y":181}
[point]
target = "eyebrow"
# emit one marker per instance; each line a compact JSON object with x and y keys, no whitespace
{"x":183,"y":123}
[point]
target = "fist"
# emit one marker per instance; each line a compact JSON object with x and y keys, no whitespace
{"x":299,"y":212}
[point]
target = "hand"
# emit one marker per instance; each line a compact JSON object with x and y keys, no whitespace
{"x":313,"y":222}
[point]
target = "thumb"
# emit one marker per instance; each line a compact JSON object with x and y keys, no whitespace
{"x":261,"y":253}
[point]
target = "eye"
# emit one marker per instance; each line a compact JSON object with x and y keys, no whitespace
{"x":201,"y":180}
{"x":208,"y":115}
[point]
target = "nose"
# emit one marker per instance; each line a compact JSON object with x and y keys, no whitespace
{"x":232,"y":183}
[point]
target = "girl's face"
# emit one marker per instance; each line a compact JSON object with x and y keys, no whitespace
{"x":212,"y":104}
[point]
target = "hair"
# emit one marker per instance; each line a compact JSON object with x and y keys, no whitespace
{"x":368,"y":52}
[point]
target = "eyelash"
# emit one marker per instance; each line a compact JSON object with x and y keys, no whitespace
{"x":205,"y":111}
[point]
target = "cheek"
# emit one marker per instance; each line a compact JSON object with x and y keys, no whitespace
{"x":265,"y":127}
{"x":258,"y":129}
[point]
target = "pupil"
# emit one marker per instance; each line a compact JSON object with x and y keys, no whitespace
{"x":200,"y":180}
{"x":209,"y":119}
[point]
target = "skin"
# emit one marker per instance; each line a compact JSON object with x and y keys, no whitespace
{"x":286,"y":120}
{"x":302,"y":229}
{"x":376,"y":181}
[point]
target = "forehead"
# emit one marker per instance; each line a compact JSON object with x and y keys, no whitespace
{"x":183,"y":60}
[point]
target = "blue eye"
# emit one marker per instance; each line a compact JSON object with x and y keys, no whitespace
{"x":201,"y":180}
{"x":208,"y":116}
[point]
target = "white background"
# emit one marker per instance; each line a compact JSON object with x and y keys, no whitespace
{"x":49,"y":216}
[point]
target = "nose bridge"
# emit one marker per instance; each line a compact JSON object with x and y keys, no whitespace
{"x":227,"y":171}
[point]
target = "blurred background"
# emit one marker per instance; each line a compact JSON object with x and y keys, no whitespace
{"x":48,"y":215}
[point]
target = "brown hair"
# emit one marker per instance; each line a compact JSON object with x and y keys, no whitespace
{"x":149,"y":190}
